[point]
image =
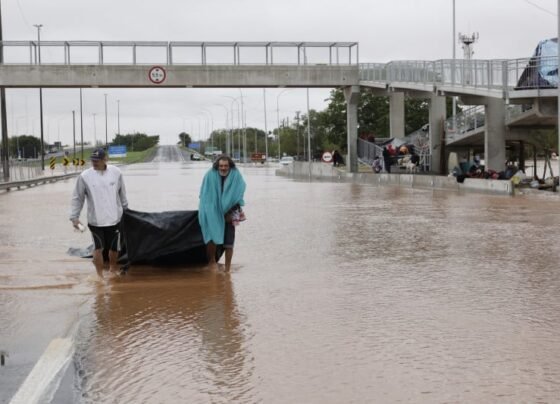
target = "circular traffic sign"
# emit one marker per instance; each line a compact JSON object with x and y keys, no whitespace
{"x":327,"y":157}
{"x":157,"y":75}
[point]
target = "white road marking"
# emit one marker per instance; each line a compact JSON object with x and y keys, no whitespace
{"x":41,"y":384}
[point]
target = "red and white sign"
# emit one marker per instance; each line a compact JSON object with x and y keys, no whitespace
{"x":327,"y":157}
{"x":157,"y":74}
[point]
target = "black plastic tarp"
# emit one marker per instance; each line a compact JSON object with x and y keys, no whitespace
{"x":542,"y":69}
{"x":158,"y":238}
{"x":172,"y":237}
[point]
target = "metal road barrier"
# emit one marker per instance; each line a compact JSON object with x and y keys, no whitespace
{"x":6,"y":186}
{"x":179,"y":53}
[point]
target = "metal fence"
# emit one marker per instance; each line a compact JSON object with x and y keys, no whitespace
{"x":179,"y":53}
{"x":497,"y":74}
{"x":368,"y":152}
{"x":22,"y":170}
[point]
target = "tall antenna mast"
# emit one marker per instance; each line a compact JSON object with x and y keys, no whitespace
{"x":468,"y":42}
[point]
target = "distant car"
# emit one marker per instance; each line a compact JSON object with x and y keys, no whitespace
{"x":286,"y":160}
{"x":196,"y":157}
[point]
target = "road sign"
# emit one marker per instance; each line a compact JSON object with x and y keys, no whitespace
{"x":82,"y":162}
{"x":194,"y":146}
{"x":65,"y":161}
{"x":157,"y":74}
{"x":52,"y":163}
{"x":117,"y":151}
{"x":327,"y":157}
{"x":75,"y":162}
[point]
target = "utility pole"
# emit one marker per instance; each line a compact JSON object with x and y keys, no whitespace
{"x":38,"y":26}
{"x":5,"y":151}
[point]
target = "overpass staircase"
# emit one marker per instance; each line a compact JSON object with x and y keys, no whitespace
{"x":468,"y":127}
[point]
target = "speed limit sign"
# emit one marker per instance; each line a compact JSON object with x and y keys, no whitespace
{"x":157,"y":74}
{"x":327,"y":157}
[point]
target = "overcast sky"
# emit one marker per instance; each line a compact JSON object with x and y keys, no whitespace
{"x":385,"y":31}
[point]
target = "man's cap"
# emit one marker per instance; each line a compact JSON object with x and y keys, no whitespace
{"x":98,"y":154}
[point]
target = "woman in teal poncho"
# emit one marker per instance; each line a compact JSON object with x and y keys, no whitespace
{"x":221,"y":194}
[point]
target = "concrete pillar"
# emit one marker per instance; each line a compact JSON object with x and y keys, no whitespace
{"x":437,"y":120}
{"x":396,"y":115}
{"x":352,"y":95}
{"x":495,"y":134}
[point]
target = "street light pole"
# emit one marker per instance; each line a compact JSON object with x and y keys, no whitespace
{"x":81,"y":126}
{"x":453,"y":99}
{"x":106,"y":126}
{"x":230,"y":145}
{"x":265,"y":126}
{"x":297,"y":135}
{"x":309,"y":157}
{"x":118,"y":117}
{"x":74,"y":131}
{"x":212,"y":129}
{"x":558,"y":63}
{"x":5,"y":151}
{"x":244,"y":131}
{"x":227,"y":124}
{"x":278,"y":118}
{"x":94,"y":131}
{"x":38,"y":26}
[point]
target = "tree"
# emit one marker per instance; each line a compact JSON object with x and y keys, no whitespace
{"x":136,"y":141}
{"x":29,"y":146}
{"x":184,"y":139}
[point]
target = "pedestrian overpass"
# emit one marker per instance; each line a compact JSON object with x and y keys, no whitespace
{"x":494,"y":84}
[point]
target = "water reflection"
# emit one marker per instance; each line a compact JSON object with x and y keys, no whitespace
{"x":164,"y":336}
{"x":340,"y":293}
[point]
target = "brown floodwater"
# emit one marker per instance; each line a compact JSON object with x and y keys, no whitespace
{"x":338,"y":293}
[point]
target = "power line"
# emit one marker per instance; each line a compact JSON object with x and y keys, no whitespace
{"x":540,"y":8}
{"x":21,"y":12}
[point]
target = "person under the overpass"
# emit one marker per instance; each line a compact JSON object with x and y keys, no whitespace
{"x":221,"y":199}
{"x":103,"y":187}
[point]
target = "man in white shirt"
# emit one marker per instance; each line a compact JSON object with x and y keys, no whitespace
{"x":103,"y":187}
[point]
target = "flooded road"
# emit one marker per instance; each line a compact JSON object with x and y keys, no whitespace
{"x":338,"y":293}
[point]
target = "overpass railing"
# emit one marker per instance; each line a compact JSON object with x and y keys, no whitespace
{"x":498,"y":74}
{"x":179,"y":52}
{"x":368,"y":151}
{"x":473,"y":119}
{"x":464,"y":124}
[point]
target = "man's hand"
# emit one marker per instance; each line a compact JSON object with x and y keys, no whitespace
{"x":76,"y":223}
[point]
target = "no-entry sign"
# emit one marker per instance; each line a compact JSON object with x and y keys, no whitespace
{"x":327,"y":157}
{"x":157,"y":75}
